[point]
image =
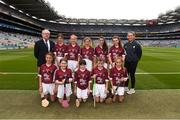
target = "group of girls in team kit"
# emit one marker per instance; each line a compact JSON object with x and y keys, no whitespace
{"x":73,"y":69}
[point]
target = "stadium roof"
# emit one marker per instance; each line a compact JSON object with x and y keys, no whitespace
{"x":171,"y":16}
{"x":37,"y":8}
{"x":43,"y":11}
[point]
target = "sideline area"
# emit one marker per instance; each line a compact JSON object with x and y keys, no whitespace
{"x":153,"y":104}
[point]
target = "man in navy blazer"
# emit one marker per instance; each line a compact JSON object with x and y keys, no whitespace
{"x":42,"y":47}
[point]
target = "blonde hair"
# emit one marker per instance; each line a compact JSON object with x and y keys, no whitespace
{"x":73,"y":35}
{"x":87,"y":38}
{"x":120,"y":58}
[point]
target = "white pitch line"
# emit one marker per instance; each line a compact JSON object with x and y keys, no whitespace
{"x":17,"y":73}
{"x":139,"y":73}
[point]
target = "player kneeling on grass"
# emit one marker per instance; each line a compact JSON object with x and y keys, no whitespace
{"x":101,"y":79}
{"x":82,"y":82}
{"x":118,"y":76}
{"x":63,"y":76}
{"x":46,"y":84}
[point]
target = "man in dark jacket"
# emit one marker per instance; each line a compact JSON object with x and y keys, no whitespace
{"x":42,"y":47}
{"x":133,"y":55}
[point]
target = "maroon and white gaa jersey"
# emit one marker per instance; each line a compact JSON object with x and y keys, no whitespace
{"x":115,"y":75}
{"x":60,"y":75}
{"x":73,"y":52}
{"x":82,"y":78}
{"x":60,"y":50}
{"x":116,"y":52}
{"x":101,"y":54}
{"x":87,"y":53}
{"x":101,"y":75}
{"x":47,"y":73}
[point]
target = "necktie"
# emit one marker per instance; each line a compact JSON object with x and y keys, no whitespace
{"x":46,"y":45}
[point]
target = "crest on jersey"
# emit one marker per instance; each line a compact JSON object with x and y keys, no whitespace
{"x":46,"y":76}
{"x":82,"y":82}
{"x":99,"y":79}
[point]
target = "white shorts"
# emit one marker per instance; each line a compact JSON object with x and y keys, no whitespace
{"x":48,"y":88}
{"x":119,"y":91}
{"x":82,"y":94}
{"x":88,"y":64}
{"x":57,"y":61}
{"x":60,"y":92}
{"x":72,"y":64}
{"x":105,"y":65}
{"x":99,"y":91}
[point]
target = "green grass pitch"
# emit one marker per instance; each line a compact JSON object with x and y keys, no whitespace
{"x":154,"y":60}
{"x":153,"y":104}
{"x":157,"y":95}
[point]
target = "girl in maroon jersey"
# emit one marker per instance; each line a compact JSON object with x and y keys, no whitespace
{"x":73,"y":53}
{"x":116,"y":50}
{"x":62,"y":76}
{"x":82,"y":83}
{"x":87,"y":53}
{"x":60,"y":48}
{"x":101,"y":51}
{"x":118,"y":76}
{"x":101,"y":78}
{"x":46,"y":83}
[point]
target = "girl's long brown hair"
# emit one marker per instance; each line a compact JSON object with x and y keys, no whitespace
{"x":52,"y":55}
{"x":105,"y":47}
{"x":117,"y":37}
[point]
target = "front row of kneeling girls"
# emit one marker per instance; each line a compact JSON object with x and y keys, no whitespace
{"x":52,"y":80}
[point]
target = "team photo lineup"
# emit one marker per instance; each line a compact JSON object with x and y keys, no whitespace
{"x":89,"y":59}
{"x":62,"y":67}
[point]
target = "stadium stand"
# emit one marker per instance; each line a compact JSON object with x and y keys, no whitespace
{"x":16,"y":41}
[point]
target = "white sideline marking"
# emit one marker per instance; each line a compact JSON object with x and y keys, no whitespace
{"x":139,"y":73}
{"x":17,"y":73}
